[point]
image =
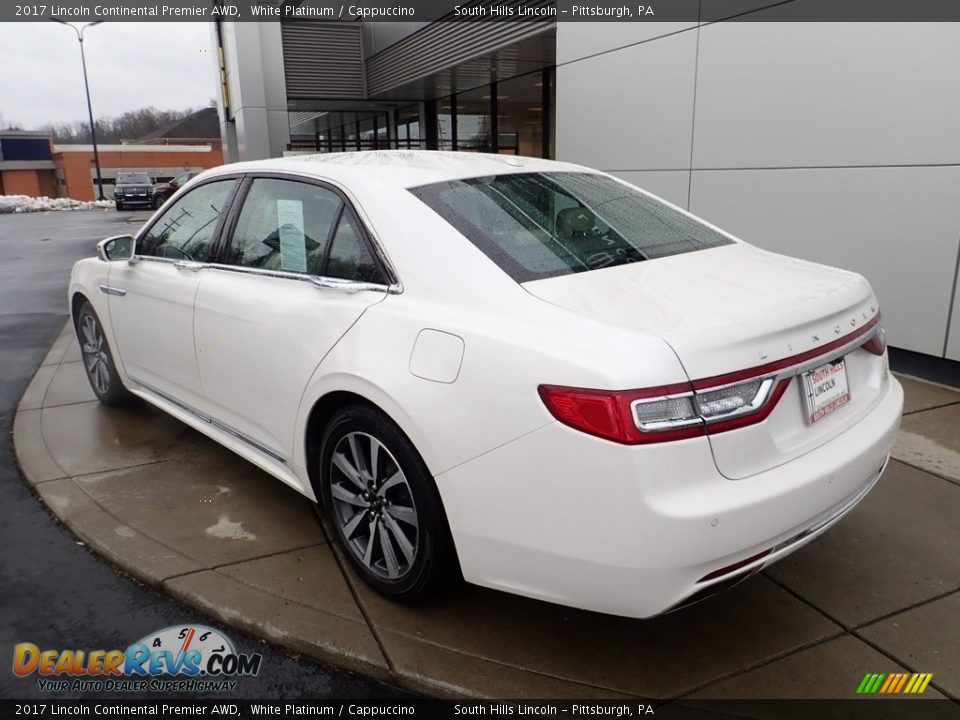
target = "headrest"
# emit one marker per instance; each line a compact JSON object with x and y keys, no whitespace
{"x":575,"y":221}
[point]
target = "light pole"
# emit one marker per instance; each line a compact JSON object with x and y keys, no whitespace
{"x":86,"y":85}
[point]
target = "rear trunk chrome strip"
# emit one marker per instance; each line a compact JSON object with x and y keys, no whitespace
{"x":796,"y":364}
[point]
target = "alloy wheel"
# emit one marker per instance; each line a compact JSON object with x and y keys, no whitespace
{"x":95,"y":357}
{"x":373,"y":505}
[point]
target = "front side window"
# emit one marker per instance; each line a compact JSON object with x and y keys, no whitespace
{"x":185,"y":230}
{"x":284,"y":225}
{"x":540,"y":225}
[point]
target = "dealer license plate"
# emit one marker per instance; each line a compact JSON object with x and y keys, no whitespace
{"x":826,"y":390}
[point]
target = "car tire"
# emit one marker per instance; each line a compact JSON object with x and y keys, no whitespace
{"x":98,"y":359}
{"x":393,"y":531}
{"x":157,"y":202}
{"x":119,"y":205}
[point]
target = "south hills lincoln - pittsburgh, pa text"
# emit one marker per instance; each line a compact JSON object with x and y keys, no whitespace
{"x":622,"y":12}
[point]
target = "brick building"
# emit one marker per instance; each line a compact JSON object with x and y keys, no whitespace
{"x":31,"y":164}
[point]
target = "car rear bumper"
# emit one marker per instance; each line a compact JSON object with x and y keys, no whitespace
{"x":634,"y":531}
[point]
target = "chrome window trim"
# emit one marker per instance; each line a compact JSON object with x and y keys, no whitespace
{"x":153,"y":258}
{"x":319,"y":281}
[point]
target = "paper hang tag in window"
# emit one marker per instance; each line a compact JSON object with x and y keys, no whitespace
{"x":293,"y":247}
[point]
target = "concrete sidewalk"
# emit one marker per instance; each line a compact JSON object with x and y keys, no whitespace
{"x":880,"y":592}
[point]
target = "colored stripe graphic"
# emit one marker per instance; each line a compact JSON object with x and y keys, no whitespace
{"x":922,"y":683}
{"x":907,"y":683}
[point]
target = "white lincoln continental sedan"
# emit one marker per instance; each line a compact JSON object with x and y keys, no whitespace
{"x":526,"y":372}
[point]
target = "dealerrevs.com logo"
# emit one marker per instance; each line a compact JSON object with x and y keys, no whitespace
{"x":192,"y":658}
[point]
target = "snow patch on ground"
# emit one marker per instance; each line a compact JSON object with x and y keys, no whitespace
{"x":25,"y":203}
{"x":226,"y":529}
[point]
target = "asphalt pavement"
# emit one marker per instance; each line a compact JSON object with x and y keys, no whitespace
{"x":56,"y":593}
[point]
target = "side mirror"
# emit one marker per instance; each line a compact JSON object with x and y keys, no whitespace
{"x":118,"y":247}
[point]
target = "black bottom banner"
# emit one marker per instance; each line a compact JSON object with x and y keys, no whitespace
{"x":865,"y":709}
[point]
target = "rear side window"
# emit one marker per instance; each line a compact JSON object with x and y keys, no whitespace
{"x":299,"y":227}
{"x":284,"y":225}
{"x":350,"y":259}
{"x":541,"y":225}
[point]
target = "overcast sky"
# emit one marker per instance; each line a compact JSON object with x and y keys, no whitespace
{"x":131,"y":65}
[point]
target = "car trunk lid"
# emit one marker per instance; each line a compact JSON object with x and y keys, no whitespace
{"x":735,"y":308}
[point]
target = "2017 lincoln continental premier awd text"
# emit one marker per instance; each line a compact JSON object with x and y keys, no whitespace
{"x":524,"y":371}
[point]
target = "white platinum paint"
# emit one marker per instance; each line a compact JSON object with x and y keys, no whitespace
{"x":535,"y":507}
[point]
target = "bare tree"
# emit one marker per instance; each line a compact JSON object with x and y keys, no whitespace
{"x":130,"y":125}
{"x":4,"y":125}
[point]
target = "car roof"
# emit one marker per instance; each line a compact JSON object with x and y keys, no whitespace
{"x":403,"y":168}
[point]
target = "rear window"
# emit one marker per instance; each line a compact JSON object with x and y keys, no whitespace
{"x":541,"y":225}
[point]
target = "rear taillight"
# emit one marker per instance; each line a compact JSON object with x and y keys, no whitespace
{"x":877,"y":344}
{"x":609,"y":414}
{"x":702,"y":407}
{"x":672,"y":412}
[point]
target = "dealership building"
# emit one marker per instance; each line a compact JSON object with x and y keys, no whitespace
{"x":835,"y":142}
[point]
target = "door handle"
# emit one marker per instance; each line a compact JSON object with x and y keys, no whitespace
{"x":191,"y":265}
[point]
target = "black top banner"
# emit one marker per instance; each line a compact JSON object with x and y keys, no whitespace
{"x":649,"y":11}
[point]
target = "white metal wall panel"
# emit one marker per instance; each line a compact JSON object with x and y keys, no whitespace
{"x":897,"y":226}
{"x":827,"y":94}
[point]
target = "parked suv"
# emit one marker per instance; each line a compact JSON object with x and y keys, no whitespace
{"x":133,"y":189}
{"x":162,"y":193}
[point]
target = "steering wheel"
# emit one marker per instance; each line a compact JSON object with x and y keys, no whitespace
{"x":174,"y":253}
